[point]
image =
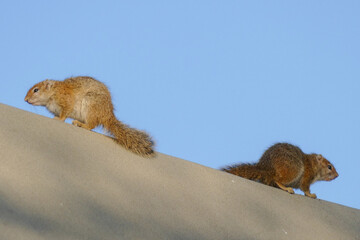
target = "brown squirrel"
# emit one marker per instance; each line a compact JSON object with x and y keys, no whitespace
{"x":88,"y":102}
{"x":286,"y":166}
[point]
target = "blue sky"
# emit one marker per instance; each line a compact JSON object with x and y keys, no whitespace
{"x":214,"y":82}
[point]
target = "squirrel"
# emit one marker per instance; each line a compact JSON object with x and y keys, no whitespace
{"x":88,"y":102}
{"x":286,"y":166}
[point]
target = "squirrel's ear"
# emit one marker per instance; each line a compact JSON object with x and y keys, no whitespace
{"x":319,"y":157}
{"x":48,"y":84}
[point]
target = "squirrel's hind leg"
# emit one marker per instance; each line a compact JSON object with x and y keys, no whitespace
{"x":287,"y":189}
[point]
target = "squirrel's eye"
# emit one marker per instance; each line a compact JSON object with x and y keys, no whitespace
{"x":36,"y":89}
{"x":329,"y":167}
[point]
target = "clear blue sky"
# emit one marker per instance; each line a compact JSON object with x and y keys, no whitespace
{"x":214,"y":82}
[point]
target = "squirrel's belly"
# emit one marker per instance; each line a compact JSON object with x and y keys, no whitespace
{"x":80,"y":111}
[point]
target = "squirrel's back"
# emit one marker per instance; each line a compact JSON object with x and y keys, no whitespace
{"x":279,"y":151}
{"x":86,"y":84}
{"x":89,"y":89}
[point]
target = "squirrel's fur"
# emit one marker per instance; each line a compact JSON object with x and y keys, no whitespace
{"x":286,"y":166}
{"x":88,"y":102}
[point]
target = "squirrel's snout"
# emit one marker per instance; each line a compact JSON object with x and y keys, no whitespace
{"x":27,"y":99}
{"x":332,"y":177}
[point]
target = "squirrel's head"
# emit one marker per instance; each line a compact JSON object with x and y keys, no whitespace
{"x":40,"y":93}
{"x":327,"y":170}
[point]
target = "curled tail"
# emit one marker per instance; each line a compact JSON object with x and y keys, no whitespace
{"x":132,"y":139}
{"x":252,"y":172}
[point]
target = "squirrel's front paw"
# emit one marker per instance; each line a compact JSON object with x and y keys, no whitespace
{"x":290,"y":190}
{"x":312,"y":195}
{"x":60,"y":119}
{"x":76,"y":123}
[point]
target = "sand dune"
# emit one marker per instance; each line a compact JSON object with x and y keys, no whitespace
{"x":58,"y":181}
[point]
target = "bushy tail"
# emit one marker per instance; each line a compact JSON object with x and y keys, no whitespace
{"x":252,"y":172}
{"x":132,"y":139}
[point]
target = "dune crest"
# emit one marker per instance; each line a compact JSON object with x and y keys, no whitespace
{"x":58,"y":181}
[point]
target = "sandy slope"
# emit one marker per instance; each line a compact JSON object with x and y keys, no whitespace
{"x":62,"y":182}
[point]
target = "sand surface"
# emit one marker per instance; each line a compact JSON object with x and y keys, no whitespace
{"x":58,"y":181}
